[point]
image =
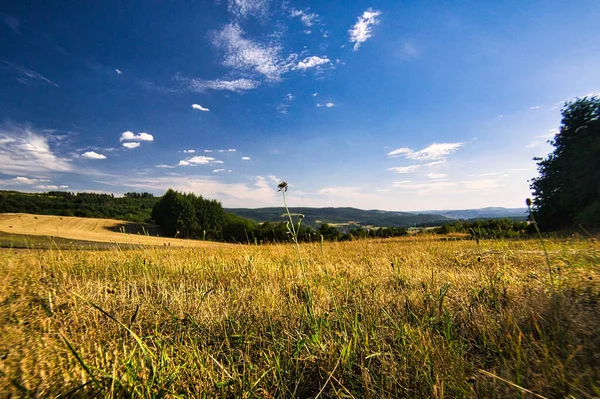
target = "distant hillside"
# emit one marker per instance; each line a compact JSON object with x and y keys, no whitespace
{"x":314,"y":217}
{"x":483,"y":213}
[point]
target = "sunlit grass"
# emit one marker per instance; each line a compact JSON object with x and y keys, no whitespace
{"x":407,"y":317}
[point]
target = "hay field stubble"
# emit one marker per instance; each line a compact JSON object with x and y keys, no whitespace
{"x":381,"y":318}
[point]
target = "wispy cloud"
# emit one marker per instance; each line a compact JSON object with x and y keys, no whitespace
{"x":131,"y":144}
{"x":326,"y":105}
{"x":24,"y":150}
{"x":218,"y":170}
{"x":11,"y":21}
{"x":20,"y":180}
{"x":189,"y":151}
{"x":163,"y":166}
{"x":437,"y":175}
{"x":118,"y":71}
{"x":550,"y":135}
{"x":247,"y":56}
{"x":26,"y":75}
{"x":201,"y":85}
{"x":362,"y":29}
{"x":92,"y":155}
{"x":435,"y":152}
{"x":404,"y":169}
{"x":130,"y":136}
{"x":311,"y":62}
{"x":450,"y":187}
{"x":245,"y":158}
{"x":256,"y":192}
{"x":199,"y":107}
{"x":283,"y":106}
{"x":307,"y":18}
{"x":246,"y":8}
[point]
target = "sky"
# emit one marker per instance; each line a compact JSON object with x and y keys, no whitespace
{"x":382,"y":104}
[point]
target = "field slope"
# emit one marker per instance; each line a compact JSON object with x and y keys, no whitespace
{"x":87,"y":229}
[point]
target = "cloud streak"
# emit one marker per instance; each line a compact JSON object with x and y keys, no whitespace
{"x":26,"y":75}
{"x":24,"y":150}
{"x":363,"y":28}
{"x":92,"y":155}
{"x":434,"y":152}
{"x":199,"y":107}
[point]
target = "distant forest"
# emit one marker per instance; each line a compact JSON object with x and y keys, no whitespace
{"x":194,"y":217}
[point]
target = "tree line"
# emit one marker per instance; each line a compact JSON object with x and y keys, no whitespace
{"x":187,"y":215}
{"x":133,"y":207}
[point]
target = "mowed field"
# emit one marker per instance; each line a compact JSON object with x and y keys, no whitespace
{"x":403,"y":317}
{"x":90,"y":230}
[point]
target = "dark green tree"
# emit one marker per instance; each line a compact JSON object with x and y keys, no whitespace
{"x":567,"y":191}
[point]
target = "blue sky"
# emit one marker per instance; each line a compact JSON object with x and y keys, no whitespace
{"x":374,"y":104}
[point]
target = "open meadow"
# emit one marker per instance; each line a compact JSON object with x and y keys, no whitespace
{"x":46,"y":231}
{"x":405,"y":317}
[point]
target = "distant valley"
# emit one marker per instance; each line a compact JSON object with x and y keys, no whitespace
{"x":353,"y":217}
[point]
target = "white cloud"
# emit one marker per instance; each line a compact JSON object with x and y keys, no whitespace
{"x":131,"y":144}
{"x":118,"y":71}
{"x":92,"y":155}
{"x":315,"y":94}
{"x":307,"y":18}
{"x":219,"y":162}
{"x":328,"y":105}
{"x":257,"y":192}
{"x":208,"y":150}
{"x":246,"y":55}
{"x":197,"y":160}
{"x":163,"y":166}
{"x":535,"y":107}
{"x":22,"y":150}
{"x":51,"y":187}
{"x":437,"y":175}
{"x":312,"y":61}
{"x":434,"y":163}
{"x":189,"y":151}
{"x":235,"y":85}
{"x":404,"y":169}
{"x":550,"y":135}
{"x":362,"y":30}
{"x":27,"y":76}
{"x":245,"y":158}
{"x":20,"y":180}
{"x":218,"y":170}
{"x":533,"y":144}
{"x":24,"y":180}
{"x":245,"y":8}
{"x":130,"y":136}
{"x":435,"y":152}
{"x":199,"y":107}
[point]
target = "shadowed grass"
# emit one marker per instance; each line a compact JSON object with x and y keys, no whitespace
{"x":388,"y":318}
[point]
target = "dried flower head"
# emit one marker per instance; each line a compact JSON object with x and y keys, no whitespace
{"x":528,"y":201}
{"x":282,"y":186}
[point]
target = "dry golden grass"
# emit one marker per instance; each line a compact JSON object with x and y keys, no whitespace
{"x":389,"y":318}
{"x":101,"y":230}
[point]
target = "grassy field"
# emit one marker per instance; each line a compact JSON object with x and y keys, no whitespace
{"x":402,"y":317}
{"x":83,"y":232}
